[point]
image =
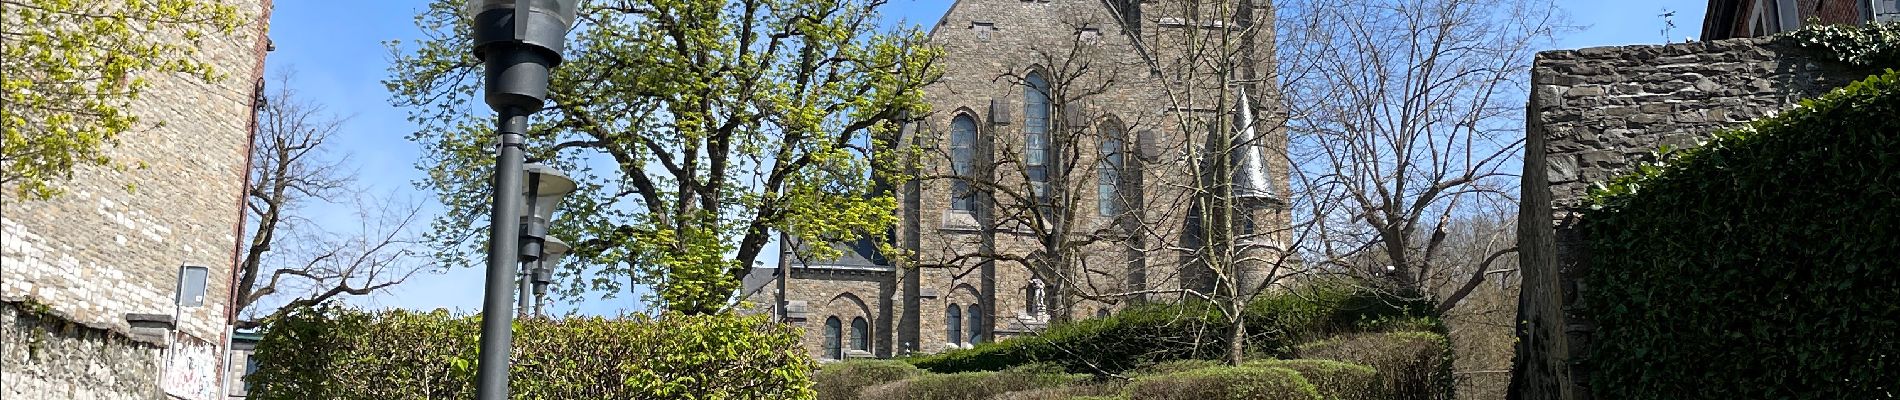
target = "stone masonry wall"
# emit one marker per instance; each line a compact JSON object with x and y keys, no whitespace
{"x":989,"y":45}
{"x":103,"y":250}
{"x":844,"y":294}
{"x":49,"y":358}
{"x":1592,"y":114}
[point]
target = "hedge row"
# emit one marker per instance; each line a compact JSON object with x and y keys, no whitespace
{"x":1225,"y":383}
{"x":1760,"y":265}
{"x":1409,"y":365}
{"x":345,"y":354}
{"x":967,"y":385}
{"x":843,"y":380}
{"x":1334,"y":380}
{"x":1153,"y":333}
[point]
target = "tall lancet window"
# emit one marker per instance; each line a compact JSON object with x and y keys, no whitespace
{"x":834,"y":338}
{"x":1036,"y":133}
{"x":1108,"y":172}
{"x":962,"y":162}
{"x":860,"y":334}
{"x":976,"y":324}
{"x":953,"y":324}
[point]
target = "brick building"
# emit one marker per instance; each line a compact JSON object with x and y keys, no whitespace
{"x":87,"y":275}
{"x":1754,"y":18}
{"x":1074,"y":108}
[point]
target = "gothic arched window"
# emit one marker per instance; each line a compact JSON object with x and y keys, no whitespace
{"x":1036,"y":133}
{"x":962,"y":161}
{"x":953,"y":324}
{"x":976,"y":324}
{"x":834,"y":348}
{"x":860,"y":333}
{"x":1108,"y":175}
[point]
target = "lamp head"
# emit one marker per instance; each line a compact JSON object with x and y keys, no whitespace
{"x":544,"y":189}
{"x":519,"y":43}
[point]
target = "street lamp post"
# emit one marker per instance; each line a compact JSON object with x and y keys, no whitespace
{"x":543,"y":192}
{"x":519,"y":43}
{"x":543,"y":273}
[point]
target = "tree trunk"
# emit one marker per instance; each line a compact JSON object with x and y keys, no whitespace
{"x":1236,"y":338}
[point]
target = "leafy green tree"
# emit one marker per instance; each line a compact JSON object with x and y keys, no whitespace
{"x":70,"y":69}
{"x":696,"y":129}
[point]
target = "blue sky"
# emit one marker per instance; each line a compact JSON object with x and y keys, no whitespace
{"x":335,"y":48}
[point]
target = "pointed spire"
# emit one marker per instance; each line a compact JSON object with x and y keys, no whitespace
{"x":1249,"y":158}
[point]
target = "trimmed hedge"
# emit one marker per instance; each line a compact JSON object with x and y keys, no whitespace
{"x":1152,"y":333}
{"x":1111,"y":389}
{"x":1169,"y":367}
{"x":1334,"y":380}
{"x":1224,"y":383}
{"x":843,"y":380}
{"x":966,"y":385}
{"x":1760,"y":265}
{"x":335,"y":353}
{"x":1410,"y":365}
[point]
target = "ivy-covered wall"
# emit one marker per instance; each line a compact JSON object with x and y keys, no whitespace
{"x":1760,"y":265}
{"x":1595,"y":113}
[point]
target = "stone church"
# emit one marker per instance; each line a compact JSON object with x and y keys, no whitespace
{"x":1057,"y":133}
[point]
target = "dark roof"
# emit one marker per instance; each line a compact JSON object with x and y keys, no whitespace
{"x":756,"y":280}
{"x":858,"y":254}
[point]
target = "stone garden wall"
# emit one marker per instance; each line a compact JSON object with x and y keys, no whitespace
{"x":1595,"y":112}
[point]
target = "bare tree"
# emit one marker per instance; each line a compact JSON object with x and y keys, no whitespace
{"x":1044,"y":200}
{"x":1406,"y":118}
{"x":1481,"y":323}
{"x":290,"y":260}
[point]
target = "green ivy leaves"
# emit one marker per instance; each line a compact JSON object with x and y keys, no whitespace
{"x":1875,"y":45}
{"x":1759,"y":265}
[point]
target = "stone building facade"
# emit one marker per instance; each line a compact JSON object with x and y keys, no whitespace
{"x":76,"y":266}
{"x":1073,"y":107}
{"x":1593,"y":114}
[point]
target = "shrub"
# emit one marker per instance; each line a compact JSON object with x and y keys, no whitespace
{"x":1324,"y":307}
{"x":1333,"y":380}
{"x":1759,"y":265}
{"x":1169,"y":367}
{"x":1110,"y":389}
{"x":1410,"y":365}
{"x":1136,"y":336}
{"x":334,"y":353}
{"x":1224,"y":383}
{"x":843,"y":380}
{"x":1152,"y":333}
{"x":965,"y":385}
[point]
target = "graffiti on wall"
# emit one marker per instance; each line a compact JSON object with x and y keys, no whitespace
{"x":191,"y":369}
